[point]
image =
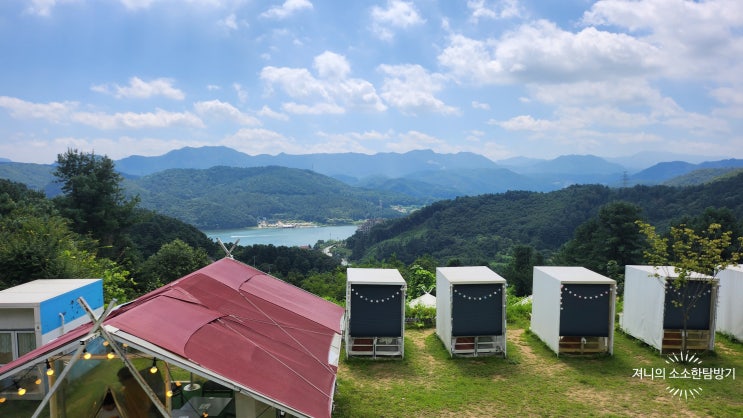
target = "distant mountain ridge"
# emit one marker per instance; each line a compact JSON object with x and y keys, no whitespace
{"x":341,"y":164}
{"x":424,"y":175}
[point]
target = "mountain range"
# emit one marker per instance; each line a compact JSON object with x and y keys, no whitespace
{"x":411,"y":178}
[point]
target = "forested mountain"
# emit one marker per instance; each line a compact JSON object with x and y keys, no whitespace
{"x":667,"y":171}
{"x":477,"y":229}
{"x":350,"y":164}
{"x":37,"y":177}
{"x":377,"y":182}
{"x":229,"y":197}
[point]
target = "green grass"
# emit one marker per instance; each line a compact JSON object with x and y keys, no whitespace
{"x":532,"y":381}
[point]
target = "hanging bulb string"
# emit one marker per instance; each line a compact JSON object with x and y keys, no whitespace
{"x":564,"y":289}
{"x":382,"y":299}
{"x":490,"y":295}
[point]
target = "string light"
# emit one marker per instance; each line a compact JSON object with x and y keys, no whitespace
{"x":153,"y":369}
{"x":110,"y":355}
{"x":105,"y":343}
{"x":21,"y":391}
{"x":493,"y":294}
{"x":2,"y":399}
{"x":37,"y":381}
{"x":86,"y":354}
{"x":382,"y":299}
{"x":49,"y":370}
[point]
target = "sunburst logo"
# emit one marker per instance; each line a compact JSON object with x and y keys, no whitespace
{"x":683,"y":359}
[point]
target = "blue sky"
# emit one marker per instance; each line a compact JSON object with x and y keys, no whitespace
{"x":500,"y":78}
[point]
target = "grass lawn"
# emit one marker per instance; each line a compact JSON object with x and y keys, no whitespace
{"x":532,"y":381}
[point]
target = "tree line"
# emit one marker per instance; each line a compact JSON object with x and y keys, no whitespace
{"x":94,"y":229}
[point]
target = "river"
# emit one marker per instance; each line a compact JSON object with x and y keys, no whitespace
{"x":289,"y":237}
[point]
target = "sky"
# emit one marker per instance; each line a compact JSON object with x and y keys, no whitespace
{"x":501,"y":78}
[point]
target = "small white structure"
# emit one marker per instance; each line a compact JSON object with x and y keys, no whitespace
{"x":471,"y":310}
{"x":573,"y":310}
{"x":651,"y":315}
{"x":35,"y":313}
{"x":425,"y":300}
{"x":375,"y":312}
{"x":729,"y":306}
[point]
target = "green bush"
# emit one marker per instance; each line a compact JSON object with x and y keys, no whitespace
{"x":420,"y":316}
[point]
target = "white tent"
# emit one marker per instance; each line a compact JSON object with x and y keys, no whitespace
{"x":650,"y":314}
{"x":375,"y":312}
{"x":426,"y":300}
{"x":573,"y":310}
{"x":471,"y":310}
{"x":729,"y":306}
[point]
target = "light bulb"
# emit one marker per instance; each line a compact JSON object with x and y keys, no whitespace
{"x":2,"y":399}
{"x":110,"y":355}
{"x":37,"y":381}
{"x":153,"y":369}
{"x":21,"y":391}
{"x":87,"y":355}
{"x":169,"y":394}
{"x":49,"y":370}
{"x":105,"y":343}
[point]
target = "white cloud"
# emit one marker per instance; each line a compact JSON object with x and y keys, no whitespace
{"x":137,"y":4}
{"x":260,"y":141}
{"x":351,"y":141}
{"x":130,"y":120}
{"x":480,"y":105}
{"x":542,"y":52}
{"x":415,"y":140}
{"x":224,"y":110}
{"x":526,"y":123}
{"x":41,"y":7}
{"x":313,"y":109}
{"x":332,"y":91}
{"x":270,"y":113}
{"x":504,"y":9}
{"x":628,"y":91}
{"x":242,"y":95}
{"x":332,"y":66}
{"x":53,"y":111}
{"x":288,"y":8}
{"x":692,"y":38}
{"x":412,"y":89}
{"x":229,"y":22}
{"x":398,"y":15}
{"x":140,"y":89}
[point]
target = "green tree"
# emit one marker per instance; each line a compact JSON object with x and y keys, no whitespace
{"x":93,"y":198}
{"x":602,"y":243}
{"x":173,"y":261}
{"x":519,"y":270}
{"x":419,"y":281}
{"x":697,"y":256}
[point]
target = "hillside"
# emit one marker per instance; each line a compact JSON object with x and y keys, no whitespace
{"x":229,"y":197}
{"x":354,"y":165}
{"x":477,"y":229}
{"x":666,"y":172}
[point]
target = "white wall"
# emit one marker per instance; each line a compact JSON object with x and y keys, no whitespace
{"x":730,"y":302}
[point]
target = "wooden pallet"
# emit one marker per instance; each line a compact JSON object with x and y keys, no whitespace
{"x":696,"y":340}
{"x":583,"y":345}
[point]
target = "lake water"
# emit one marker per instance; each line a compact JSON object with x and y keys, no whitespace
{"x":289,"y":237}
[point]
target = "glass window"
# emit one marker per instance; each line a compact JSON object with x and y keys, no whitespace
{"x":26,"y":342}
{"x":6,"y":347}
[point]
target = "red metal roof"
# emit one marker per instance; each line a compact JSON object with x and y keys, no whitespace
{"x":251,"y":329}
